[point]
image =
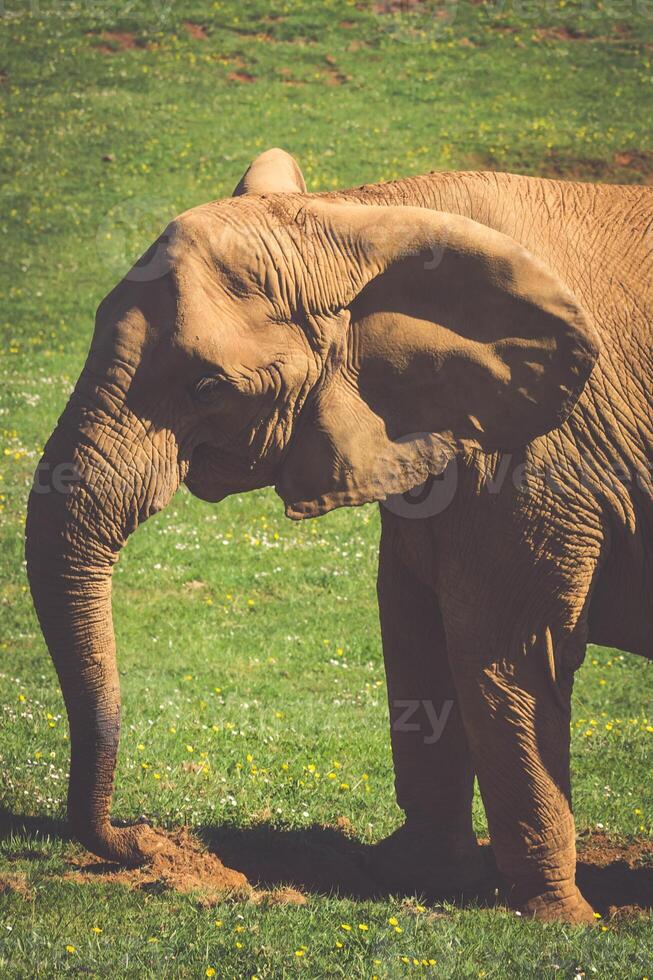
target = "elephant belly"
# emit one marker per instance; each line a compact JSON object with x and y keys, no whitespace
{"x":621,"y":611}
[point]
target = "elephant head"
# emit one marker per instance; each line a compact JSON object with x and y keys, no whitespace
{"x":337,"y":351}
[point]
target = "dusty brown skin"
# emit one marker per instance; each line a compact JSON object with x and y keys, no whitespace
{"x":348,"y":347}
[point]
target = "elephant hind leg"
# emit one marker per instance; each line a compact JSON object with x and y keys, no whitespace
{"x":516,"y":711}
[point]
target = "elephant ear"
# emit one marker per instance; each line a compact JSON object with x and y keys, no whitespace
{"x":451,"y":336}
{"x":272,"y":172}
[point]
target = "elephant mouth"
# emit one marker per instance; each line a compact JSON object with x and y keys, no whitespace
{"x":204,"y":478}
{"x":214,"y":474}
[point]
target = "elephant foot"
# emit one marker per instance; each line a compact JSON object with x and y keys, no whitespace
{"x":550,"y":907}
{"x":415,"y":859}
{"x":131,"y":846}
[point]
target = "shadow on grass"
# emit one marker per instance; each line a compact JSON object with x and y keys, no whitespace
{"x":614,"y":877}
{"x":323,"y":860}
{"x":44,"y":829}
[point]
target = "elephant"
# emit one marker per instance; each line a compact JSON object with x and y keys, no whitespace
{"x":362,"y":346}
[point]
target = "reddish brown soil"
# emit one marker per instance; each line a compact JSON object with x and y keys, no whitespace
{"x":184,"y":866}
{"x":241,"y":76}
{"x":287,"y":77}
{"x":619,"y":33}
{"x":345,"y":825}
{"x":181,"y":865}
{"x":118,"y":41}
{"x":624,"y":167}
{"x":617,"y":879}
{"x":121,"y":39}
{"x":332,"y":74}
{"x":561,"y":34}
{"x":620,"y":168}
{"x":15,"y":883}
{"x":196,"y":30}
{"x":280,"y":866}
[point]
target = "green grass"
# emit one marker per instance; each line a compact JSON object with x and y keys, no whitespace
{"x":248,"y":645}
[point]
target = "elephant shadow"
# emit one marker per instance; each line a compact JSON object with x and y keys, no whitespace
{"x":328,"y":861}
{"x":318,"y":860}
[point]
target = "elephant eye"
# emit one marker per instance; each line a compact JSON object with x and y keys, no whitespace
{"x":206,"y":389}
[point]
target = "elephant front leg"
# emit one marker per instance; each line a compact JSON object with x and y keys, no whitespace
{"x":517,"y":715}
{"x":435,"y":850}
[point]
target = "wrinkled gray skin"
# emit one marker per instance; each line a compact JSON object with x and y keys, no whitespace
{"x":490,"y":602}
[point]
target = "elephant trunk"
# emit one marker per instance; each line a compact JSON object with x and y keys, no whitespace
{"x":80,"y":511}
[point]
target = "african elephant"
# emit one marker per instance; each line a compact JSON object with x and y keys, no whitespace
{"x":350,"y":347}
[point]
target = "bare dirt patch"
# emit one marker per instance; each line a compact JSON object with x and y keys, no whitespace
{"x":15,"y":883}
{"x":627,"y":166}
{"x":121,"y":39}
{"x":287,"y":77}
{"x":561,"y":34}
{"x":196,"y":31}
{"x":616,"y":878}
{"x":624,"y":167}
{"x":332,"y":74}
{"x":243,"y":77}
{"x":182,"y":865}
{"x":283,"y":866}
{"x":116,"y":41}
{"x":619,"y":33}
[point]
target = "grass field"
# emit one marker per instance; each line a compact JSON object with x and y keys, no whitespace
{"x":254,"y":699}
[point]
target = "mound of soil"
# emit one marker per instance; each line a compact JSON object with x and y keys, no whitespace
{"x":617,"y":879}
{"x":184,"y":866}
